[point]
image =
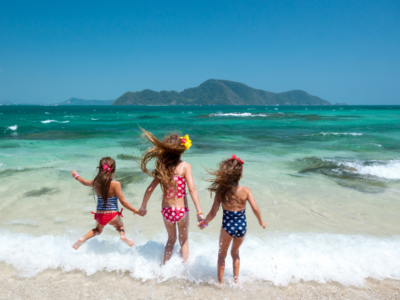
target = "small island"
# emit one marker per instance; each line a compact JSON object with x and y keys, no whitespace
{"x":219,"y":92}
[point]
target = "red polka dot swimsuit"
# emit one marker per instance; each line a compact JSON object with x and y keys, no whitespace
{"x":175,"y":214}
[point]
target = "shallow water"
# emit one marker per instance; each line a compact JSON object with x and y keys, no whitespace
{"x":326,"y":180}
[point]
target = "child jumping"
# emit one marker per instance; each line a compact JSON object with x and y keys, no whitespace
{"x":108,"y":192}
{"x":233,"y":199}
{"x":173,"y":175}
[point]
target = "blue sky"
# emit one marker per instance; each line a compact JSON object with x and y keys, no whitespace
{"x":341,"y":51}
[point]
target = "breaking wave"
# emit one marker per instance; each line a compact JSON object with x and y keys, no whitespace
{"x":51,"y":121}
{"x":279,"y":258}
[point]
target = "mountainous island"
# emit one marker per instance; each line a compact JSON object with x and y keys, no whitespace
{"x":219,"y":92}
{"x":77,"y":101}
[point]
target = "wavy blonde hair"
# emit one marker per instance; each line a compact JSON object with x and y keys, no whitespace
{"x":225,"y":179}
{"x":167,"y":155}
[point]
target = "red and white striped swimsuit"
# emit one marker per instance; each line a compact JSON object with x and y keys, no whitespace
{"x":175,"y":214}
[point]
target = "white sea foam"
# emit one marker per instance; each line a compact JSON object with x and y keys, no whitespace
{"x":383,"y":169}
{"x":338,"y":133}
{"x":93,"y":119}
{"x":51,"y":121}
{"x":277,"y":258}
{"x":14,"y":127}
{"x":47,"y":113}
{"x":238,"y":115}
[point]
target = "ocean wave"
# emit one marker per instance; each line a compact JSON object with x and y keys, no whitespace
{"x":93,"y":119}
{"x":51,"y":121}
{"x":278,"y":258}
{"x":382,"y":169}
{"x":370,"y":171}
{"x":14,"y":127}
{"x":237,"y":115}
{"x":337,"y":134}
{"x":47,"y":113}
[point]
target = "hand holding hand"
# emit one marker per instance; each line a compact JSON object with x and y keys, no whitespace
{"x":201,"y":225}
{"x":138,"y":212}
{"x":74,"y":173}
{"x":142,"y":211}
{"x":264,"y":225}
{"x":200,"y":217}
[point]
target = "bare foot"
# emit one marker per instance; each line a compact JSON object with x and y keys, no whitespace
{"x":78,"y":243}
{"x":127,"y":241}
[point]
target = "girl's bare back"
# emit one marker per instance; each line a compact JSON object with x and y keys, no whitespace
{"x":238,"y":198}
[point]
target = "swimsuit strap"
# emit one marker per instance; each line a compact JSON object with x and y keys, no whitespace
{"x":182,"y":168}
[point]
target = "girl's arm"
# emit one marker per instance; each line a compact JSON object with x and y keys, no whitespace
{"x":255,"y":208}
{"x":211,"y":215}
{"x":80,"y":179}
{"x":193,"y":191}
{"x":147,"y":195}
{"x":121,"y":197}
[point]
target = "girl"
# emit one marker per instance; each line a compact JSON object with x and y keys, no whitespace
{"x":233,"y":199}
{"x":108,"y":192}
{"x":173,"y":175}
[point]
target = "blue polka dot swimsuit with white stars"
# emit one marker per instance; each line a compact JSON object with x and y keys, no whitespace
{"x":234,"y":222}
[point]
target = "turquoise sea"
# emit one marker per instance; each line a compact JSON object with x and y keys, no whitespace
{"x":327,"y":180}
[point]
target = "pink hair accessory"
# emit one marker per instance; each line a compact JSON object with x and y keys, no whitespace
{"x":238,"y":159}
{"x":105,"y":166}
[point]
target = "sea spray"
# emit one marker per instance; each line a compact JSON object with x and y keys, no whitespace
{"x":279,"y":258}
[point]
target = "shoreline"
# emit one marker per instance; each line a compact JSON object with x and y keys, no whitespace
{"x":56,"y":284}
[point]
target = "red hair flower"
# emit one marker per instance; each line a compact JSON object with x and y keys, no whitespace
{"x":105,"y":166}
{"x":238,"y":159}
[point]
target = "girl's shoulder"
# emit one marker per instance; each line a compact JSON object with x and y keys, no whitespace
{"x":244,"y":190}
{"x":115,"y":184}
{"x":182,"y":168}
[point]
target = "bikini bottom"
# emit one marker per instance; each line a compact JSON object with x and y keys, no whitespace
{"x":174,"y":214}
{"x":105,"y":218}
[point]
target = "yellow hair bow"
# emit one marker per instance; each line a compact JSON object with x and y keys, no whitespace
{"x":185,"y":141}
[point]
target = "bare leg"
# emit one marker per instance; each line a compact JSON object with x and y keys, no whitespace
{"x":89,"y":235}
{"x":183,"y":228}
{"x":169,"y":247}
{"x":237,"y":242}
{"x":119,"y":226}
{"x":224,"y":243}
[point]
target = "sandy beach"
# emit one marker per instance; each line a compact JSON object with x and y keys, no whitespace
{"x":55,"y":284}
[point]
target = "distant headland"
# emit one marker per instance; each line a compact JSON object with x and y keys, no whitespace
{"x":219,"y":92}
{"x":77,"y":101}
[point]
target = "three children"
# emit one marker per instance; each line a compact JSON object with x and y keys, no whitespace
{"x":173,"y":175}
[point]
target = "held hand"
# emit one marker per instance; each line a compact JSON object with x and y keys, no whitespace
{"x":264,"y":225}
{"x":201,"y":226}
{"x":138,"y":212}
{"x":74,"y":173}
{"x":142,"y":211}
{"x":200,"y":218}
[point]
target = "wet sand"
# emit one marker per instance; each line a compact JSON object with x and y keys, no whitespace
{"x":55,"y":284}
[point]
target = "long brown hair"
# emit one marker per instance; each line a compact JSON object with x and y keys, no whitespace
{"x":102,"y":181}
{"x":167,"y":155}
{"x":225,"y":179}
